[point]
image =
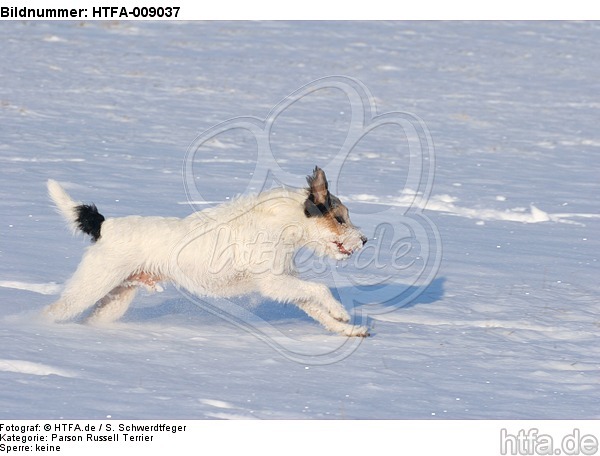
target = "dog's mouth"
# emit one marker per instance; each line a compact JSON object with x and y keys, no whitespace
{"x":342,"y":249}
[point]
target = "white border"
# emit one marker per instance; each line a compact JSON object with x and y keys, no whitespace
{"x":313,"y":438}
{"x":345,"y":10}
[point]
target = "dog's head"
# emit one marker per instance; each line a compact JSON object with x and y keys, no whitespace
{"x":338,"y":238}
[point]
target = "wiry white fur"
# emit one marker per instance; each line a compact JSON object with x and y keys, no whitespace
{"x":65,"y":205}
{"x":240,"y":247}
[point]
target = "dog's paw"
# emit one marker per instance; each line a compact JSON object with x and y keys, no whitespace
{"x":340,"y":315}
{"x":356,"y":331}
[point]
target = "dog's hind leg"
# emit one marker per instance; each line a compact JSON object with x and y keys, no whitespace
{"x":113,"y":306}
{"x":93,"y":280}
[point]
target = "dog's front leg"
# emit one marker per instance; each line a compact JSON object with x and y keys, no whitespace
{"x":315,"y":299}
{"x":322,"y":316}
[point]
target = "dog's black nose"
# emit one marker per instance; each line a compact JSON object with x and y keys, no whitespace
{"x":364,"y":239}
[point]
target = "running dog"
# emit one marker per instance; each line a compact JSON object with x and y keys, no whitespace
{"x":240,"y":247}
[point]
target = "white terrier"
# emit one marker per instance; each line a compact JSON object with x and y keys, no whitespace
{"x":240,"y":247}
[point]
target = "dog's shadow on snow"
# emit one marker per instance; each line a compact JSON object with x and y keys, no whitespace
{"x":399,"y":296}
{"x":382,"y":297}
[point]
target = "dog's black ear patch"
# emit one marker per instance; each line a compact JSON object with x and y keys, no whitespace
{"x":318,"y":186}
{"x":313,"y":210}
{"x":89,"y":220}
{"x":318,"y":202}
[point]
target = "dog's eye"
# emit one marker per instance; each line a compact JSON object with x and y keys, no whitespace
{"x":339,"y":219}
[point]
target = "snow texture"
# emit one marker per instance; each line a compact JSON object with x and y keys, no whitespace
{"x":500,"y":318}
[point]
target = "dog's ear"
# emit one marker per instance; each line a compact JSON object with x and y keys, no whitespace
{"x":318,"y":186}
{"x":318,"y":201}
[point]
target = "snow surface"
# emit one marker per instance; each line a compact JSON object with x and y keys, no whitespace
{"x":508,"y":324}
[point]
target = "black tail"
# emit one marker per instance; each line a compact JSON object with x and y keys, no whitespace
{"x":89,"y":220}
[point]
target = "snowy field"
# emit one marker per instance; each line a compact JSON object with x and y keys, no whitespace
{"x":486,"y":304}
